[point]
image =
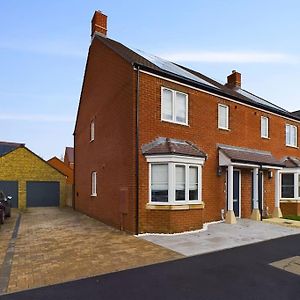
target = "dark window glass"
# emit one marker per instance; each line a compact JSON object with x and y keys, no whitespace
{"x":287,"y":186}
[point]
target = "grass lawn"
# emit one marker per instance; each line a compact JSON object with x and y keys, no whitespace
{"x":292,"y":217}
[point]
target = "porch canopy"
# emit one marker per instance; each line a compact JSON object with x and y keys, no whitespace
{"x":236,"y":156}
{"x":232,"y":157}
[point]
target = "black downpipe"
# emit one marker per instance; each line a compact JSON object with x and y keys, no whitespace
{"x":137,"y":151}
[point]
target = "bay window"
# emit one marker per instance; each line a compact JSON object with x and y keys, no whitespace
{"x":175,"y":181}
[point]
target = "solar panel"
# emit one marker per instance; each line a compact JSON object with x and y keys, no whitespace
{"x":171,"y":67}
{"x":259,"y":100}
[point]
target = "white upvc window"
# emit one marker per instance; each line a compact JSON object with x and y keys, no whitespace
{"x":290,"y":184}
{"x":291,"y":135}
{"x":174,"y":106}
{"x":94,"y":183}
{"x":264,"y":127}
{"x":92,"y":130}
{"x":175,"y":182}
{"x":223,"y":116}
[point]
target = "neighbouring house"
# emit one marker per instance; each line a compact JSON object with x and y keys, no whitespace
{"x":68,"y":172}
{"x":29,"y":179}
{"x":162,"y":148}
{"x":69,"y":157}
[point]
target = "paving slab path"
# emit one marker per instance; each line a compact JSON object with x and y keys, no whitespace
{"x":221,"y":236}
{"x":56,"y":245}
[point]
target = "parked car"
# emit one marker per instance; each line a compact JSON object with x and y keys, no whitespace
{"x":5,"y":207}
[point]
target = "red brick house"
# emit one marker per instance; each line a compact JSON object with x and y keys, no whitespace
{"x":69,"y":157}
{"x":162,"y":148}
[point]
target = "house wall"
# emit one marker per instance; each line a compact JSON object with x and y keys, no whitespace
{"x":244,"y":124}
{"x":22,"y":165}
{"x":108,"y":98}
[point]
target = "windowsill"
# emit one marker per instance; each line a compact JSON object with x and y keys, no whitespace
{"x":177,"y":123}
{"x":291,"y":146}
{"x":152,"y":206}
{"x":225,"y":129}
{"x":290,"y":200}
{"x":92,"y":140}
{"x":93,"y":195}
{"x":265,"y":138}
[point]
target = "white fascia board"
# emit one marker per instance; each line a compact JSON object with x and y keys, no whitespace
{"x":290,"y":170}
{"x":175,"y":159}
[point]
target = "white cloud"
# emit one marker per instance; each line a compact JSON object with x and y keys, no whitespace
{"x":229,"y":57}
{"x":36,"y":118}
{"x":45,"y":47}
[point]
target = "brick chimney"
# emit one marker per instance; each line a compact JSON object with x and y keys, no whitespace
{"x":234,"y":80}
{"x":99,"y":23}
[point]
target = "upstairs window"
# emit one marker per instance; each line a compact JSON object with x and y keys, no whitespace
{"x":291,"y":135}
{"x":223,"y":116}
{"x":92,"y":131}
{"x":264,"y":127}
{"x":174,"y":106}
{"x":94,"y":184}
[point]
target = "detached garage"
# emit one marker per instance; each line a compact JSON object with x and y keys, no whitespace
{"x":30,"y":180}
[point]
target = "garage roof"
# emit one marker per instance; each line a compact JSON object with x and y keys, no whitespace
{"x":6,"y":147}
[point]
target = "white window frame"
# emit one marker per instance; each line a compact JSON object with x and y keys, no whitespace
{"x":295,"y":142}
{"x":174,"y":92}
{"x":296,"y":172}
{"x":172,"y":161}
{"x":226,"y":117}
{"x":92,"y":130}
{"x":264,"y":121}
{"x":94,"y":184}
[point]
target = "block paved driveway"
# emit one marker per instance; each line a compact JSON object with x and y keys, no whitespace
{"x":57,"y":245}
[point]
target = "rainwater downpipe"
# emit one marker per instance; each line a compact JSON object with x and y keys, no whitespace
{"x":137,"y":150}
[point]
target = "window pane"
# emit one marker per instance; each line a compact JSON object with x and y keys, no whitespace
{"x":92,"y":137}
{"x":193,"y":183}
{"x":299,"y":186}
{"x":264,"y":127}
{"x":288,"y":134}
{"x":159,"y":183}
{"x":94,"y":183}
{"x":180,"y":183}
{"x":180,"y":107}
{"x":287,"y":182}
{"x":167,"y":105}
{"x":223,"y":116}
{"x":294,"y":135}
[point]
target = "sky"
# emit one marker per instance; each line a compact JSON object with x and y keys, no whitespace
{"x":44,"y":44}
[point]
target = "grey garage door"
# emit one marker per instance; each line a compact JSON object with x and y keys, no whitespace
{"x":42,"y":193}
{"x":10,"y":188}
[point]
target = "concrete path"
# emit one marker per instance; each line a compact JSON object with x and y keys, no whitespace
{"x":57,"y":245}
{"x":220,"y":236}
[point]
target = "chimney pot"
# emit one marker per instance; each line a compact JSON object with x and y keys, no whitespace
{"x":234,"y":80}
{"x":99,"y":23}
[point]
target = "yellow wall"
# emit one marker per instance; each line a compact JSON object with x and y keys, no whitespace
{"x":22,"y":165}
